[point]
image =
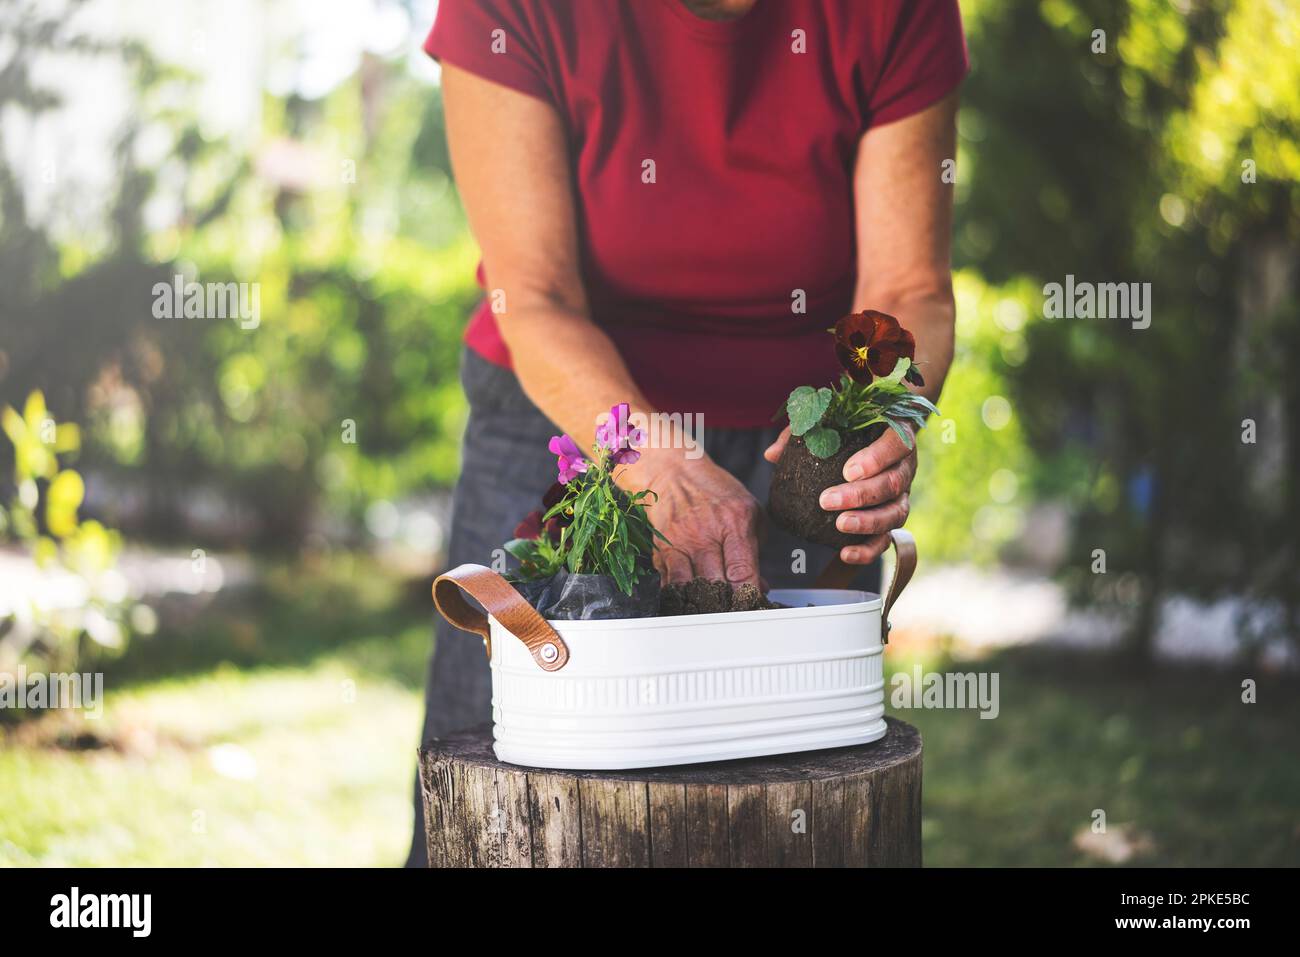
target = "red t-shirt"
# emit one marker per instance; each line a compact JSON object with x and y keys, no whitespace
{"x":695,"y":275}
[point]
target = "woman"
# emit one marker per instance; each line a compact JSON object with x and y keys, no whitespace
{"x":675,"y":199}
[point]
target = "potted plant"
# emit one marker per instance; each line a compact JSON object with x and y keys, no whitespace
{"x":829,"y":424}
{"x":587,"y":552}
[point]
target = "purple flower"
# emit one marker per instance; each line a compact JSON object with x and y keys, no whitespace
{"x":568,"y":458}
{"x":618,"y":437}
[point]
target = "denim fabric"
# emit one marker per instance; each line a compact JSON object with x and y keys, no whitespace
{"x":505,"y":469}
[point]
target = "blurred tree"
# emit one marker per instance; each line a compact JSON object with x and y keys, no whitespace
{"x":343,"y":224}
{"x":84,"y":603}
{"x":1150,"y":141}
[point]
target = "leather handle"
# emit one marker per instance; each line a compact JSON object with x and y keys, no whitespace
{"x":504,"y":604}
{"x":904,"y":565}
{"x":838,"y":574}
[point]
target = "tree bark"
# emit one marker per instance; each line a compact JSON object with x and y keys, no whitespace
{"x":846,"y":807}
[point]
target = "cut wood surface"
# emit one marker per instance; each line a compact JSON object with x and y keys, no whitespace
{"x":845,"y":807}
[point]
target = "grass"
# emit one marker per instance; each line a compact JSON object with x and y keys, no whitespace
{"x":1185,"y":773}
{"x":268,"y":767}
{"x":279,"y":727}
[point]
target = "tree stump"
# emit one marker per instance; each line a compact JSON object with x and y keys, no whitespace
{"x":845,"y":807}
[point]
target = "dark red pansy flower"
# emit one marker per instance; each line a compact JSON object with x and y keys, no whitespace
{"x":552,"y":496}
{"x":531,"y":526}
{"x":870,"y":343}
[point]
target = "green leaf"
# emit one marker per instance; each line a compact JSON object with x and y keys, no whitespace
{"x":586,"y":527}
{"x":900,"y":370}
{"x":565,"y":501}
{"x":521,"y":548}
{"x":902,"y":433}
{"x":806,"y":406}
{"x":822,"y":442}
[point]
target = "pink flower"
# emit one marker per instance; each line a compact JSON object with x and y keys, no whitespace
{"x":568,"y":458}
{"x":616,"y":435}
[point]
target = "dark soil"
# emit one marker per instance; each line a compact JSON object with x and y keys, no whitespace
{"x":800,"y":479}
{"x":705,"y":596}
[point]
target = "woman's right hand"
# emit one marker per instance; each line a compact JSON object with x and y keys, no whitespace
{"x":708,"y":516}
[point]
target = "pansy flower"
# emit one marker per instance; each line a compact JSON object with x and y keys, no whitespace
{"x":870,"y":343}
{"x":532,"y":527}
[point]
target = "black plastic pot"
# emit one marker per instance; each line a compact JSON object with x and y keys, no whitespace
{"x":535,"y":592}
{"x":570,"y":597}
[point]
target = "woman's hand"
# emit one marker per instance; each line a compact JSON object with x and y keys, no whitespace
{"x":705,"y":512}
{"x":874,"y":497}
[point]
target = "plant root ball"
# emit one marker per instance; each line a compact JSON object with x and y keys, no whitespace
{"x":705,"y":596}
{"x":798,"y":482}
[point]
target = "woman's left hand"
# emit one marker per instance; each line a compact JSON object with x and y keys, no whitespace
{"x":873,"y":500}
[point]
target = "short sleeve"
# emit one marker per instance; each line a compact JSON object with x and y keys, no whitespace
{"x":923,"y":60}
{"x":494,"y":39}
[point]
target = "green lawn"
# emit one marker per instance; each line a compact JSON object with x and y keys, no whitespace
{"x":263,"y":767}
{"x":280,"y":727}
{"x":1186,"y":773}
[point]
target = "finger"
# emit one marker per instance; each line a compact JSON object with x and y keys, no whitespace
{"x":676,"y":566}
{"x":740,"y":558}
{"x":774,"y":450}
{"x":866,"y":553}
{"x":708,"y":562}
{"x":875,"y":521}
{"x":877,"y":489}
{"x":877,"y":456}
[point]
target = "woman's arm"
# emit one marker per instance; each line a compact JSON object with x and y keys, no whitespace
{"x":511,"y":162}
{"x":513,"y":171}
{"x":904,"y":230}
